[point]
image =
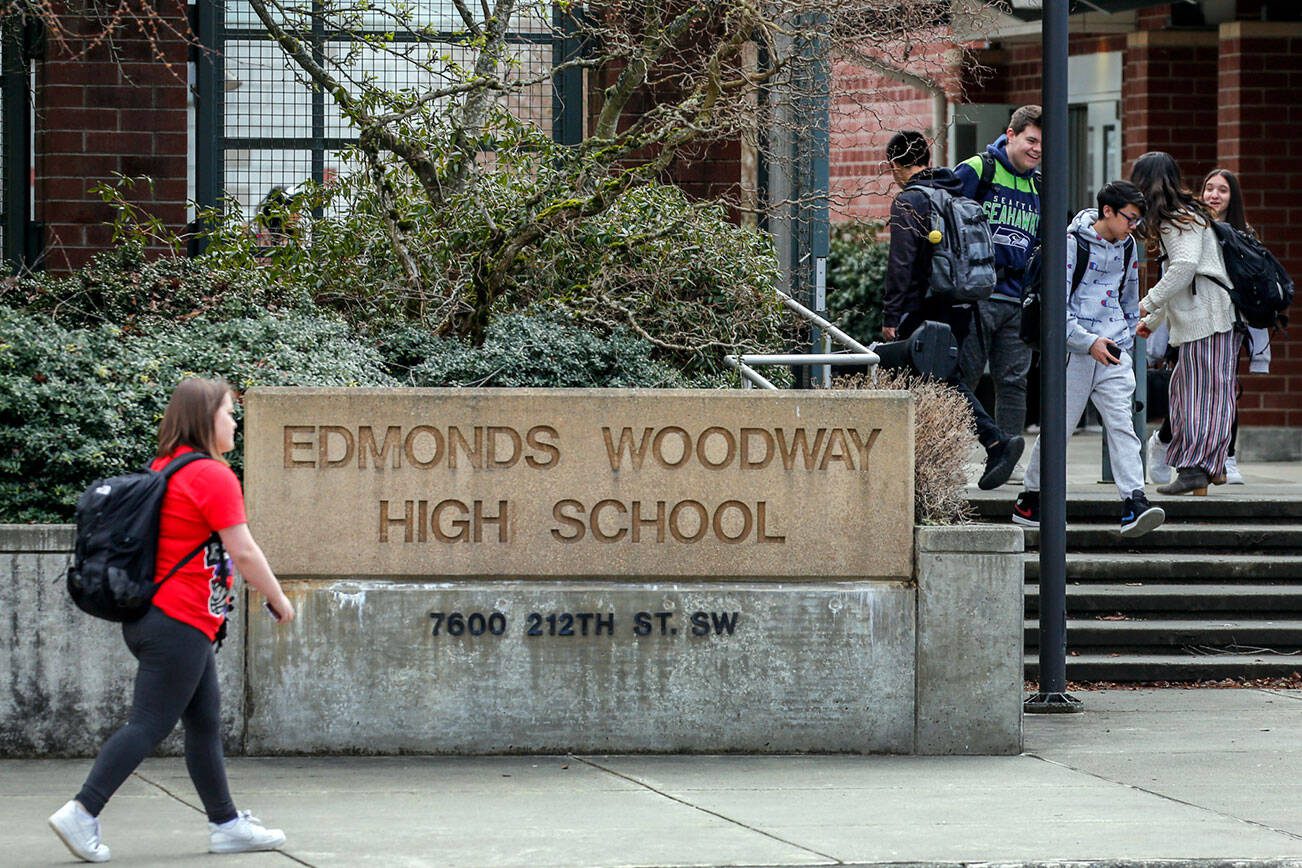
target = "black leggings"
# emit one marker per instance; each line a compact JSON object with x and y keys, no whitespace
{"x":177,"y":680}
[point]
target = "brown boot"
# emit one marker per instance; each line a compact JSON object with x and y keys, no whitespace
{"x":1189,"y":480}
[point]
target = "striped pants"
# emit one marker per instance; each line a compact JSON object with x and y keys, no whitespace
{"x":1202,"y":402}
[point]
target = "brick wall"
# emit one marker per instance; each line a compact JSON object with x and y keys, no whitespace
{"x":867,"y":109}
{"x":103,"y":113}
{"x":860,"y":186}
{"x":1168,"y":96}
{"x":1260,"y":135}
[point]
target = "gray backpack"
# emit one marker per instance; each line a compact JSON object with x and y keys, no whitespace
{"x":963,"y":256}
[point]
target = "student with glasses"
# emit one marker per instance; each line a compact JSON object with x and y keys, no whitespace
{"x":1102,"y":314}
{"x":1200,"y":317}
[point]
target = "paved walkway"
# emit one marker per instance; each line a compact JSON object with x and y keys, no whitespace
{"x":1198,"y":777}
{"x":1262,"y":479}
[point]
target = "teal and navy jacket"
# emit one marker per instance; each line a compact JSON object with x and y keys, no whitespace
{"x":1013,"y":208}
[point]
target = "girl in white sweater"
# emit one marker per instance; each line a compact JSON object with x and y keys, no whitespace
{"x":1201,"y":321}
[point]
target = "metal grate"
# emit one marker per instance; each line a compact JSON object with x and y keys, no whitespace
{"x":268,"y":128}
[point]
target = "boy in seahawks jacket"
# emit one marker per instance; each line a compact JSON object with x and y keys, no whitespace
{"x":1102,"y":313}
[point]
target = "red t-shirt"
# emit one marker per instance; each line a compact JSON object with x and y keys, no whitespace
{"x":202,"y":497}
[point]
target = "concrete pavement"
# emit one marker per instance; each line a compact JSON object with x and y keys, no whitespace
{"x":1262,"y":479}
{"x":1143,"y":777}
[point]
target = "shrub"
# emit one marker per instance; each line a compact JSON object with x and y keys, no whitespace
{"x":77,"y":404}
{"x":81,"y":403}
{"x":943,"y":431}
{"x":674,"y":272}
{"x":856,"y":275}
{"x":136,"y":293}
{"x":545,"y":350}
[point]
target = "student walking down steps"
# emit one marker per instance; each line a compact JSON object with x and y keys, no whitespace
{"x":1102,"y":312}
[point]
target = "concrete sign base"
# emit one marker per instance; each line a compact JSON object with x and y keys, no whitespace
{"x":479,"y":667}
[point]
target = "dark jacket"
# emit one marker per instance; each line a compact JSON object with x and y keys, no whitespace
{"x":908,"y":267}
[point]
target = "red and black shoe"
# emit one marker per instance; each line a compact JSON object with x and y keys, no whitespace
{"x":1026,"y":509}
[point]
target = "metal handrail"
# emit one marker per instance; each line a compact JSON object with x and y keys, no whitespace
{"x":858,"y":355}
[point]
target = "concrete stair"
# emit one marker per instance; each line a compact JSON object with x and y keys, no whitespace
{"x":1215,"y":593}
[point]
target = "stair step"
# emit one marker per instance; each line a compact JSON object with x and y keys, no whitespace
{"x":1182,"y":536}
{"x":1171,"y":667}
{"x":1281,"y":504}
{"x":1279,"y":635}
{"x":1104,"y":566}
{"x":1205,"y":599}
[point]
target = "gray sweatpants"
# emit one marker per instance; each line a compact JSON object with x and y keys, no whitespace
{"x":1111,"y":388}
{"x":997,"y":340}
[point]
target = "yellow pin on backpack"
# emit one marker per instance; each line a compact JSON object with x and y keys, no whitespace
{"x":934,"y":236}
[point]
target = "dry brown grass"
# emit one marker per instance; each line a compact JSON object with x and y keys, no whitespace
{"x":943,"y":432}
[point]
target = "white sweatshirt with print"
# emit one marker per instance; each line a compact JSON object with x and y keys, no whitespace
{"x":1106,"y":304}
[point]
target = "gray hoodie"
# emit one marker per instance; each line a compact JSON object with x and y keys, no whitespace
{"x":1104,"y":305}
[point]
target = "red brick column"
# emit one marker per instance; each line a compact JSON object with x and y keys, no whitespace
{"x":98,"y":114}
{"x":1168,"y":97}
{"x":1260,"y":132}
{"x":1168,"y":102}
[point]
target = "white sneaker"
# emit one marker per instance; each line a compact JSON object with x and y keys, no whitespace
{"x":1158,"y":470}
{"x":244,"y":834}
{"x":1232,"y":474}
{"x":79,"y":832}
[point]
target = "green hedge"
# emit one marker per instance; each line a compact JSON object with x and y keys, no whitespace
{"x":856,"y":275}
{"x":77,"y":404}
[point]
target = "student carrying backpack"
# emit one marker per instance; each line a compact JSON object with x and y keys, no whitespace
{"x":1099,"y":323}
{"x":178,"y":507}
{"x":930,"y":279}
{"x":1033,"y":302}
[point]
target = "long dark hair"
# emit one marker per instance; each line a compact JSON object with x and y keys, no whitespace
{"x":190,"y":416}
{"x":1234,"y":213}
{"x":1157,"y":175}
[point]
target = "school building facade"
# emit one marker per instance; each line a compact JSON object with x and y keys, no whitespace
{"x":1213,"y":83}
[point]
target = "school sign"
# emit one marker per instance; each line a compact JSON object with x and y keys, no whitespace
{"x":503,"y":570}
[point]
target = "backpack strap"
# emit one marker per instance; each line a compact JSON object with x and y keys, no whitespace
{"x":189,"y":557}
{"x":987,"y":178}
{"x":172,"y":466}
{"x":1082,"y":263}
{"x":180,"y":461}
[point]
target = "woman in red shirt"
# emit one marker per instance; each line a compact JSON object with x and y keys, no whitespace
{"x":173,"y":642}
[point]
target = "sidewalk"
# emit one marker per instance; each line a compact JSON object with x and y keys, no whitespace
{"x":1198,"y":777}
{"x":1262,"y":479}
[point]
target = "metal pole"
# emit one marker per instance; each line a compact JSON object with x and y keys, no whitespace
{"x":210,"y":102}
{"x":567,"y":86}
{"x":1053,"y":696}
{"x":820,"y":171}
{"x":16,"y":137}
{"x":811,"y":109}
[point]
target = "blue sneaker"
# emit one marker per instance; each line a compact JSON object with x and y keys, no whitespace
{"x":1138,"y":517}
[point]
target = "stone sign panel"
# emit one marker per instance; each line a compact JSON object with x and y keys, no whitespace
{"x":574,"y":484}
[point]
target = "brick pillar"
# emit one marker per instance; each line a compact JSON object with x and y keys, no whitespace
{"x":1260,"y":132}
{"x":1168,"y":97}
{"x":102,"y":113}
{"x":1168,"y":103}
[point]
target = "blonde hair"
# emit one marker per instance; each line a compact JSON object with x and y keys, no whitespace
{"x":190,"y":415}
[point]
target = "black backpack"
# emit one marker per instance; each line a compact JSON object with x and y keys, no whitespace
{"x":112,"y":572}
{"x":1032,"y":285}
{"x":1260,"y":288}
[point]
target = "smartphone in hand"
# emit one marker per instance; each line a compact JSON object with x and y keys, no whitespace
{"x":275,"y":616}
{"x":1113,"y":351}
